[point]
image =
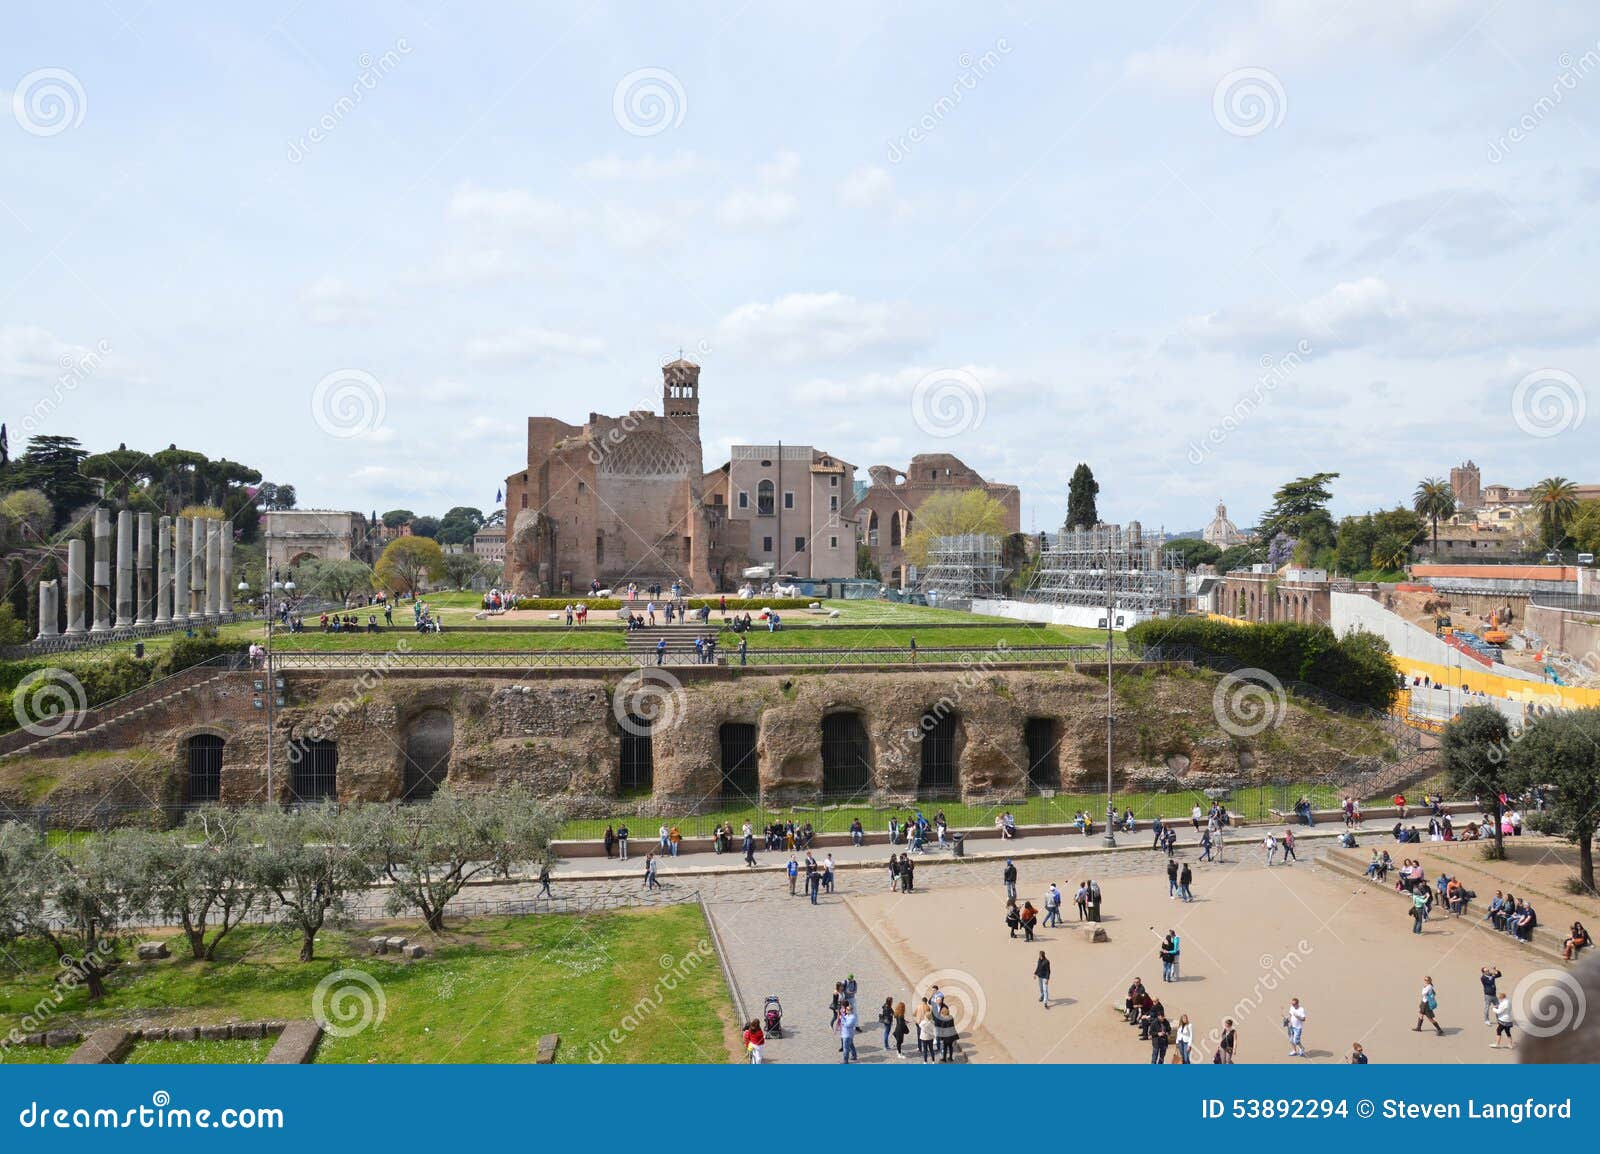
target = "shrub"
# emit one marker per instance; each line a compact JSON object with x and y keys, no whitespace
{"x":1355,"y":667}
{"x":597,"y":604}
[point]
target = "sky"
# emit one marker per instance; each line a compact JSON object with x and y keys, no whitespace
{"x":1205,"y":251}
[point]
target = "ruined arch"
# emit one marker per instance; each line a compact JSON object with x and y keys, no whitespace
{"x":429,"y":738}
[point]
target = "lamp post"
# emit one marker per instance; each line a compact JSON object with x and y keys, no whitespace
{"x":285,"y":590}
{"x":1111,"y":603}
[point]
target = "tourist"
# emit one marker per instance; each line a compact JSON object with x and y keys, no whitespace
{"x":1013,"y":916}
{"x":827,"y":873}
{"x":1375,"y":866}
{"x":1030,"y":918}
{"x":907,"y":874}
{"x":622,"y":842}
{"x":1270,"y":845}
{"x":1156,"y":829}
{"x":1009,"y":877}
{"x":926,"y":1031}
{"x":1160,"y":1038}
{"x":1524,"y":922}
{"x":651,"y":882}
{"x":1168,"y":954}
{"x":1094,"y":900}
{"x":1081,"y":898}
{"x":793,"y":870}
{"x":1172,"y":879}
{"x":611,"y":841}
{"x":1228,"y":1044}
{"x":1427,"y":1005}
{"x":754,"y":1040}
{"x":1577,"y":939}
{"x":1185,"y":1038}
{"x":1205,"y":845}
{"x":1195,"y":818}
{"x":1358,"y":1056}
{"x":886,"y":1020}
{"x":1136,"y":1002}
{"x":1041,"y":970}
{"x":894,"y":872}
{"x":1185,"y":879}
{"x":749,"y":845}
{"x":900,"y":1028}
{"x":544,"y":881}
{"x":858,"y":835}
{"x":1294,"y":1020}
{"x":1489,"y":976}
{"x":1288,"y":847}
{"x":1052,"y":906}
{"x":835,"y":1006}
{"x":1502,"y":1024}
{"x":944,"y":1029}
{"x":675,"y":839}
{"x":1419,"y":908}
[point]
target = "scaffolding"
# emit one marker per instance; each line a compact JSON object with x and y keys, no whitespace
{"x":1089,"y":567}
{"x":961,"y":568}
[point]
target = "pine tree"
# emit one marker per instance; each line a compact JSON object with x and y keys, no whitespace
{"x":1081,"y":492}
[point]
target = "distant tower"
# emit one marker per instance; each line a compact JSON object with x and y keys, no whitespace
{"x":1467,"y":485}
{"x":680,"y":391}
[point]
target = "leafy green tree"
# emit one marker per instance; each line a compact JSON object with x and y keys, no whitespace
{"x":1477,"y":759}
{"x":1239,"y":557}
{"x":177,"y":472}
{"x":1561,"y":751}
{"x":1391,"y":552}
{"x":1082,"y":490}
{"x":1192,"y":551}
{"x":1585,"y":527}
{"x":1556,"y":501}
{"x":425,"y":527}
{"x":429,"y":851}
{"x":303,"y":860}
{"x":29,"y":515}
{"x":458,"y":526}
{"x":461,"y":568}
{"x":409,"y":563}
{"x":275,"y":497}
{"x":1294,"y":504}
{"x":17,"y":591}
{"x":1435,"y":500}
{"x":120,"y":471}
{"x":954,"y":514}
{"x":51,"y":465}
{"x":338,"y":581}
{"x":204,"y":881}
{"x":395,"y":518}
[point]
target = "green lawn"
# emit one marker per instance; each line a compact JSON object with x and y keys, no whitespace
{"x":240,"y":1052}
{"x":1253,"y":804}
{"x":486,"y":993}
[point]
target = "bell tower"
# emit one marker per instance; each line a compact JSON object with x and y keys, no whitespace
{"x":680,"y":392}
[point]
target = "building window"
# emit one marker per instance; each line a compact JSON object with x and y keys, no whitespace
{"x":203,"y":752}
{"x":833,"y":482}
{"x":766,"y":464}
{"x":833,"y":542}
{"x":716,"y":498}
{"x":428,"y":744}
{"x":524,"y":500}
{"x":740,"y":776}
{"x":765,"y":499}
{"x":788,"y":500}
{"x":799,"y":544}
{"x":636,"y":768}
{"x":744,"y":499}
{"x":599,"y":548}
{"x":833,"y":502}
{"x":315,"y":771}
{"x":582,"y":488}
{"x":846,"y":755}
{"x":766,"y":544}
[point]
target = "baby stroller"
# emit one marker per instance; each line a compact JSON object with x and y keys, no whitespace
{"x":772,"y":1016}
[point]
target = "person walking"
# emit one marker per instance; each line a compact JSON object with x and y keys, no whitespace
{"x":1041,"y":970}
{"x":661,"y":650}
{"x":847,"y":1033}
{"x":1009,"y":876}
{"x":1419,"y":908}
{"x":1082,"y":900}
{"x":886,"y":1020}
{"x":1288,"y":847}
{"x":749,"y":847}
{"x":793,"y":870}
{"x":1205,"y":846}
{"x":1185,"y":879}
{"x":1185,"y":1034}
{"x":900,"y":1029}
{"x":1052,"y":906}
{"x":1172,"y":878}
{"x":1270,"y":845}
{"x":1358,"y":1055}
{"x":754,"y":1039}
{"x":1227,"y":1044}
{"x":1294,"y":1020}
{"x":827,"y":873}
{"x":1490,"y":977}
{"x":1502,"y":1024}
{"x":1427,"y":1006}
{"x":544,"y":881}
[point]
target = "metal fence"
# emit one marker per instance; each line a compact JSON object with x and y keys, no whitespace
{"x":367,"y":660}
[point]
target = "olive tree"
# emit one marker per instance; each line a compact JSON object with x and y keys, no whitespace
{"x":1476,"y":747}
{"x":430,"y":850}
{"x":1561,"y":751}
{"x":303,"y":861}
{"x":203,"y":881}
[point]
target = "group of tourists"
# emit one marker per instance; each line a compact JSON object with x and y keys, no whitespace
{"x":497,"y":602}
{"x":818,"y":876}
{"x":351,"y":622}
{"x":787,"y":835}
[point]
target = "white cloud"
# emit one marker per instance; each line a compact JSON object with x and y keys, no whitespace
{"x":649,"y":167}
{"x":820,"y":326}
{"x":331,"y":301}
{"x":866,"y":187}
{"x":530,"y":345}
{"x":770,"y":203}
{"x":510,"y":210}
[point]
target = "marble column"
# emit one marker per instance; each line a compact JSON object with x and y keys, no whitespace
{"x":197,"y":570}
{"x":213,"y":568}
{"x":102,"y":571}
{"x":181,"y":565}
{"x":124,"y":569}
{"x":144,"y":584}
{"x":77,"y":586}
{"x":49,"y":608}
{"x":164,"y":571}
{"x":225,"y":580}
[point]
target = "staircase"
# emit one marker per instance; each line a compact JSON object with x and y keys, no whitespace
{"x":679,"y":636}
{"x":94,"y":726}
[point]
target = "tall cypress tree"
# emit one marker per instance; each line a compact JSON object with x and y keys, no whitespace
{"x":17,"y":592}
{"x":1081,"y":492}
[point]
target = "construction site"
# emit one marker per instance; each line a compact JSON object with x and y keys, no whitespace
{"x":961,"y":569}
{"x":1087,"y":570}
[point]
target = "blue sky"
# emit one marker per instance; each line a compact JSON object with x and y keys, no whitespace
{"x":1203,"y":251}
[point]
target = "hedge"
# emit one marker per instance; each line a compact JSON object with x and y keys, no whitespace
{"x":1356,"y":667}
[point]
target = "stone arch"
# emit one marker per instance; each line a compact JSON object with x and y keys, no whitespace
{"x":430,"y":735}
{"x":741,"y":777}
{"x":939,"y":772}
{"x":314,"y":770}
{"x":846,"y":754}
{"x":203,"y":752}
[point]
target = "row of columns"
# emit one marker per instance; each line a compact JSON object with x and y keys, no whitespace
{"x":177,"y":571}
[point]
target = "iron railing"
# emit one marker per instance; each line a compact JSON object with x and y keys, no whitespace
{"x":310,"y":659}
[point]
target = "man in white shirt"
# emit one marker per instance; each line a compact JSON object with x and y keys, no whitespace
{"x":1295,"y":1017}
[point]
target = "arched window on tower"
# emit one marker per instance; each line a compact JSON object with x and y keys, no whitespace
{"x":764,"y":499}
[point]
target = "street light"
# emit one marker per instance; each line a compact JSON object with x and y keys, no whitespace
{"x":285,"y":589}
{"x":1111,"y":603}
